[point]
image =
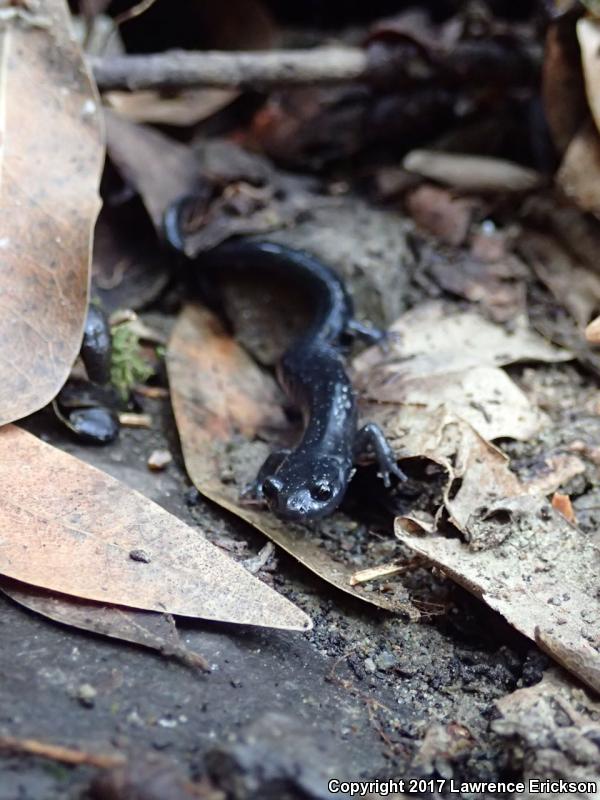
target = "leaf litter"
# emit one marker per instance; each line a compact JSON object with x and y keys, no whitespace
{"x":223,"y":402}
{"x":145,"y":628}
{"x":440,"y":356}
{"x":45,"y":252}
{"x":435,"y":406}
{"x":549,"y":730}
{"x":514,"y":550}
{"x":80,"y":540}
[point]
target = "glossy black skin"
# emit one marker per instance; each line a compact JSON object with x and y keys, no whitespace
{"x":96,"y":347}
{"x":94,"y":425}
{"x":308,"y":482}
{"x":85,"y":408}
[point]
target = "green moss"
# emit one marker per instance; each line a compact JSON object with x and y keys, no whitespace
{"x":128,"y":367}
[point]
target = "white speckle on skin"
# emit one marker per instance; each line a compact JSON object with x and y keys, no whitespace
{"x":4,"y":242}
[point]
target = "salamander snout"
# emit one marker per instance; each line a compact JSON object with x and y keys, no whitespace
{"x":298,"y":504}
{"x":294,"y":495}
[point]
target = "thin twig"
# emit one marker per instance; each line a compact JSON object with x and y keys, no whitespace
{"x":56,"y":752}
{"x":177,"y":69}
{"x":401,"y":64}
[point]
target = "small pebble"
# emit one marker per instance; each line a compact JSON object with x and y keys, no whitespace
{"x":192,"y":496}
{"x":369,"y":665}
{"x":140,"y":555}
{"x":159,"y":459}
{"x":385,"y":660}
{"x":86,"y":694}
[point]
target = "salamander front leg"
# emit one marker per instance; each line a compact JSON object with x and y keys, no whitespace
{"x":370,"y":439}
{"x":368,"y":333}
{"x":266,"y":480}
{"x":372,"y":335}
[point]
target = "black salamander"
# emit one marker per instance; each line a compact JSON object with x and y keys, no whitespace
{"x":308,"y":482}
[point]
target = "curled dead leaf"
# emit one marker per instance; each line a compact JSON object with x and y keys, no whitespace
{"x":540,"y":573}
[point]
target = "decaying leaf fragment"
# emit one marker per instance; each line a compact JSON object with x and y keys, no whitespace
{"x":579,"y":173}
{"x":550,"y":731}
{"x":159,"y":168}
{"x":144,"y":628}
{"x":441,"y":358}
{"x":588,"y":35}
{"x":516,"y":553}
{"x":51,"y":156}
{"x":538,"y":571}
{"x":563,"y":92}
{"x":186,"y":108}
{"x":472,"y":173}
{"x":223,"y":403}
{"x":573,"y":285}
{"x":68,"y":527}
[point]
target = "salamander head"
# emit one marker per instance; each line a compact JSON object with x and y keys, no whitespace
{"x":301,"y":491}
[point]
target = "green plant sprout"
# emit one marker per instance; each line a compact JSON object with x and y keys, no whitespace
{"x":128,"y":367}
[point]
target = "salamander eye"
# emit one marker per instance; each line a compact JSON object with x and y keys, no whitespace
{"x":271,"y":488}
{"x":322,"y":491}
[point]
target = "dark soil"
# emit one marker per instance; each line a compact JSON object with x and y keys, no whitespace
{"x":366,"y":684}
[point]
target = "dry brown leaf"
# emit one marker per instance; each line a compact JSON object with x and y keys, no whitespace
{"x":51,"y":156}
{"x":578,"y":233}
{"x":484,"y":481}
{"x":441,"y":358}
{"x":220,"y":396}
{"x":538,"y":571}
{"x":472,"y":173}
{"x":573,"y":285}
{"x":159,"y":168}
{"x":592,"y":332}
{"x":145,"y":628}
{"x":553,"y":472}
{"x":563,"y":92}
{"x":428,"y":339}
{"x":438,"y":212}
{"x":68,"y":527}
{"x":127,"y":271}
{"x":497,"y":286}
{"x":579,"y":173}
{"x":478,"y":474}
{"x":483,"y":396}
{"x":562,"y":504}
{"x":188,"y":107}
{"x":588,"y":35}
